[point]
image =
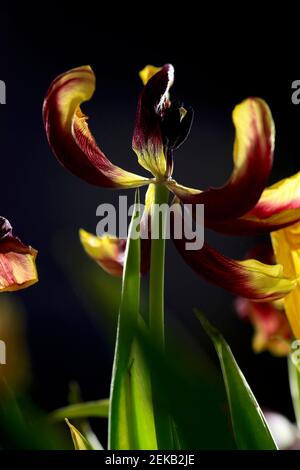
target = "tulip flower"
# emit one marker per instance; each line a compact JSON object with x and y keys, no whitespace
{"x":17,"y":261}
{"x":272,"y":331}
{"x":242,"y":206}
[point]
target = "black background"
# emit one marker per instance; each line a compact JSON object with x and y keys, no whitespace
{"x":43,"y":201}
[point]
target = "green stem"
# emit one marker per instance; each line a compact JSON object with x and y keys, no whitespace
{"x":157,"y":269}
{"x":294,"y":380}
{"x":156,"y":309}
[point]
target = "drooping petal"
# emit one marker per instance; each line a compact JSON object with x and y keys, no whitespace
{"x":69,"y":135}
{"x":287,"y":251}
{"x":147,"y":139}
{"x":278,"y":207}
{"x":253,"y":158}
{"x":272,"y":329}
{"x":109,"y":251}
{"x":250,"y":279}
{"x":17,"y":261}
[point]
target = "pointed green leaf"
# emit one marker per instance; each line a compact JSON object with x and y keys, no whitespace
{"x":141,"y":396}
{"x":131,"y":422}
{"x":248,"y":422}
{"x":79,"y":441}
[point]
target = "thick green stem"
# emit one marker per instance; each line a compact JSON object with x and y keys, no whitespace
{"x":156,"y":307}
{"x":157,"y":269}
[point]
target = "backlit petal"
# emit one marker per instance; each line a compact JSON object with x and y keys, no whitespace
{"x":250,"y":279}
{"x":278,"y":207}
{"x":69,"y":135}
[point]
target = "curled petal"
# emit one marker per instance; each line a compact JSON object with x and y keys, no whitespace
{"x":253,"y":159}
{"x":278,"y":207}
{"x":69,"y":135}
{"x":107,"y":251}
{"x":287,"y":253}
{"x":147,"y":139}
{"x":17,"y":261}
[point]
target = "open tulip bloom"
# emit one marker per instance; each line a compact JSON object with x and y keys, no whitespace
{"x":243,"y":206}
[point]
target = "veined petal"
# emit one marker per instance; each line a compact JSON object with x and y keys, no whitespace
{"x":253,"y":158}
{"x":69,"y":135}
{"x":250,"y":279}
{"x":17,"y":261}
{"x":147,"y":139}
{"x":278,"y":207}
{"x":287,"y":252}
{"x":279,"y":198}
{"x":109,"y":251}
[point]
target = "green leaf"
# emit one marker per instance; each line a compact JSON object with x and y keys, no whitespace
{"x":79,"y":441}
{"x":92,"y":409}
{"x":131,"y":422}
{"x":139,"y":385}
{"x":82,"y":411}
{"x":250,"y":428}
